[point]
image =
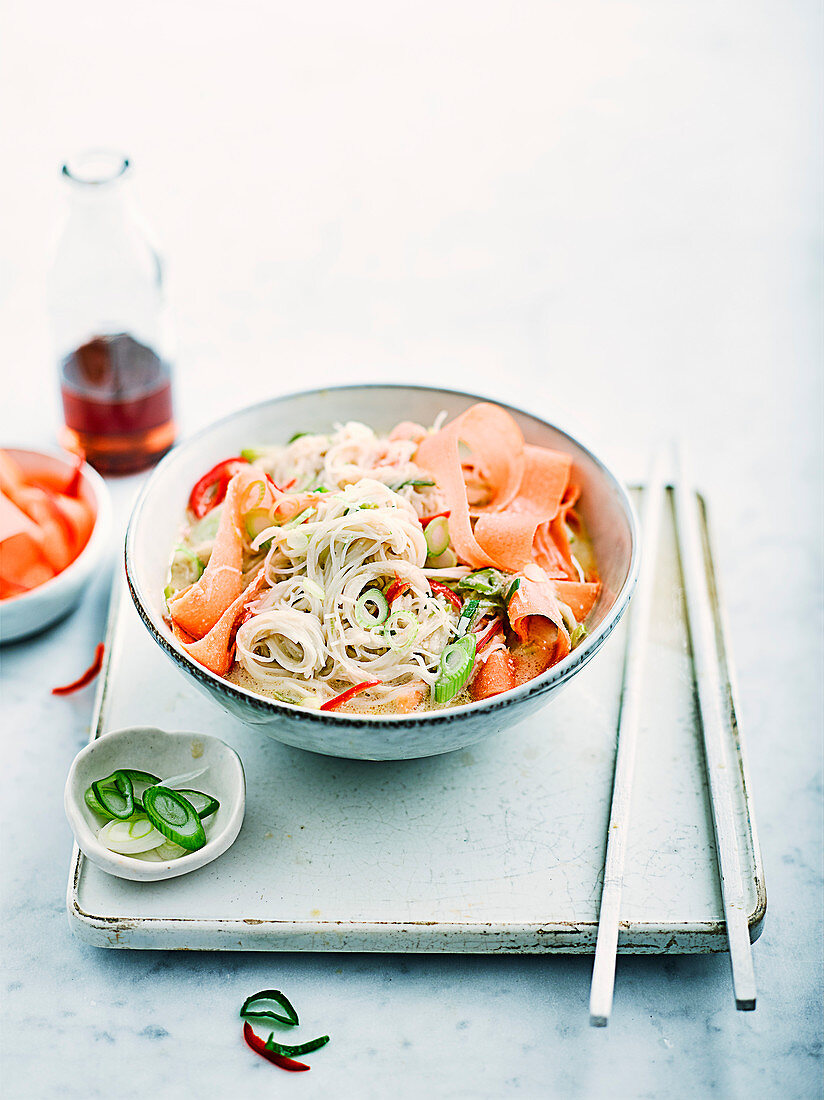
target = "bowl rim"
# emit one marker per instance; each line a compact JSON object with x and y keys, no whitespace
{"x":553,"y":677}
{"x":146,"y":871}
{"x":93,"y":547}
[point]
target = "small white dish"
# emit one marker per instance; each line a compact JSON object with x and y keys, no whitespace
{"x":146,"y":748}
{"x":32,"y":611}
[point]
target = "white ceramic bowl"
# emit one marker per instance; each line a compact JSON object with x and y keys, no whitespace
{"x":145,"y":748}
{"x":31,"y":612}
{"x":159,"y":510}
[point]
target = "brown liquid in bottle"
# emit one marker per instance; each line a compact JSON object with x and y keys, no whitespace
{"x":117,"y":404}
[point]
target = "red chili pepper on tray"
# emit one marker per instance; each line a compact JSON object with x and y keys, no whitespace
{"x":87,"y":676}
{"x":211,"y":489}
{"x":439,"y":589}
{"x":259,"y":1047}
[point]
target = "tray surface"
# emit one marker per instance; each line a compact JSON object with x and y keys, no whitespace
{"x":495,"y":848}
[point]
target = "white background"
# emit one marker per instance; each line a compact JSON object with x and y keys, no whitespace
{"x":607,"y":212}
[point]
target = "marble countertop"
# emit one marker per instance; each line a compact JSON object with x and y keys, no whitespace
{"x":610,"y":213}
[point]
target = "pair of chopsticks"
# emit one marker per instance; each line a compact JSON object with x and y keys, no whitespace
{"x":719,"y":771}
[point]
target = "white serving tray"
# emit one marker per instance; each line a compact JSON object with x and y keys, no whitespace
{"x":498,"y":848}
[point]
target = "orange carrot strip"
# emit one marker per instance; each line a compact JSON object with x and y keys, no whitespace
{"x":579,"y":596}
{"x":495,"y":675}
{"x":438,"y":455}
{"x":87,"y":677}
{"x":200,"y":607}
{"x":546,"y":475}
{"x":507,"y":538}
{"x":535,"y":605}
{"x":214,"y":650}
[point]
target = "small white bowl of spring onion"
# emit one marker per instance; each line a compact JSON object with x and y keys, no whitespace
{"x":145,"y":804}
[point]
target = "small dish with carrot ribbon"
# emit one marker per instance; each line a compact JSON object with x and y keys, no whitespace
{"x":55,"y":518}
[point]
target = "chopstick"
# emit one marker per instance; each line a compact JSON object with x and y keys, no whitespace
{"x":718,"y":766}
{"x":606,"y":947}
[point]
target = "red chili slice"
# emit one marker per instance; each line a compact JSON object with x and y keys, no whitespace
{"x":345,"y":696}
{"x":439,"y":589}
{"x":87,"y":676}
{"x":211,"y":489}
{"x":396,"y":588}
{"x":496,"y":628}
{"x":428,"y":519}
{"x":259,"y":1047}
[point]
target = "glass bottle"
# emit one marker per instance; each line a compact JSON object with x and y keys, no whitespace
{"x":106,"y":302}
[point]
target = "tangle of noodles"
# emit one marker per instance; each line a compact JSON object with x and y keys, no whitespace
{"x":303,"y":627}
{"x":337,"y":524}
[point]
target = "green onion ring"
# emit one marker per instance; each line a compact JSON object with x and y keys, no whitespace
{"x":279,"y":998}
{"x":174,"y":816}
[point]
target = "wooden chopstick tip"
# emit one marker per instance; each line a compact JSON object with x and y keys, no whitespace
{"x":599,"y":1021}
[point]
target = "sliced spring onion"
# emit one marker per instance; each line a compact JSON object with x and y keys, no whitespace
{"x":401,"y":630}
{"x":204,"y":804}
{"x":578,"y":635}
{"x":256,"y":521}
{"x":456,"y":665}
{"x":139,"y":776}
{"x":363,"y":616}
{"x":193,"y":558}
{"x":581,"y":575}
{"x":319,"y":489}
{"x":115,"y":794}
{"x":437,"y":535}
{"x":488,"y":581}
{"x":182,"y":779}
{"x":248,"y":1009}
{"x":312,"y":588}
{"x":301,"y":517}
{"x":569,"y":619}
{"x":254,"y":496}
{"x":95,"y":806}
{"x":298,"y":435}
{"x":447,"y":560}
{"x":175,"y":817}
{"x":302,"y":1048}
{"x":140,"y":781}
{"x":513,"y":588}
{"x":129,"y":838}
{"x":264,"y":539}
{"x":467,"y":615}
{"x":251,"y":455}
{"x":418,"y":483}
{"x":163,"y":853}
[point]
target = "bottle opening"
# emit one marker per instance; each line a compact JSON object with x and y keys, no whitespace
{"x":96,"y":166}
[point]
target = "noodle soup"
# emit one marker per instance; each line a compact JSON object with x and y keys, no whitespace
{"x":358,"y":572}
